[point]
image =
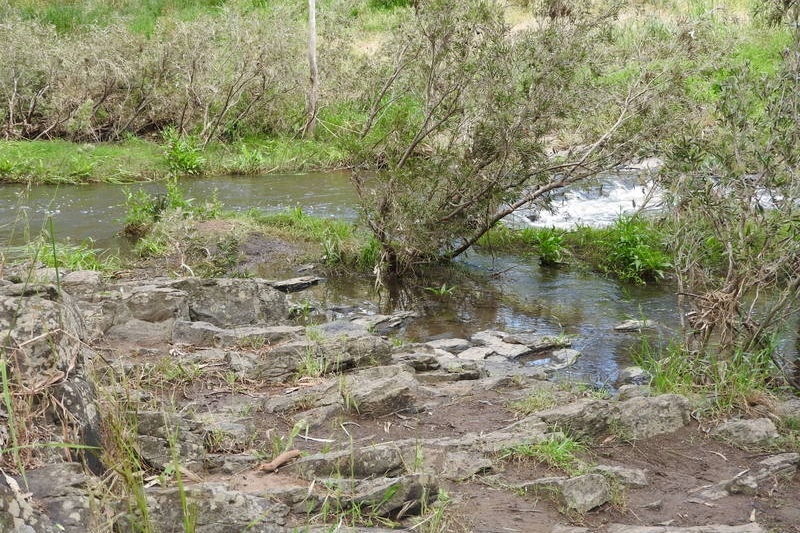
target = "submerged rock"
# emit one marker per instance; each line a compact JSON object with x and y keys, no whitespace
{"x":634,"y":325}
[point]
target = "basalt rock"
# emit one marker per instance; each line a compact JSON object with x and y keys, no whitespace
{"x":43,"y":336}
{"x":212,"y":507}
{"x":379,"y":391}
{"x":234,"y":302}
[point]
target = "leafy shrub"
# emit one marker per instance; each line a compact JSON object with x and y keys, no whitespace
{"x":220,"y":72}
{"x":549,"y":242}
{"x":183,"y":153}
{"x":634,"y":250}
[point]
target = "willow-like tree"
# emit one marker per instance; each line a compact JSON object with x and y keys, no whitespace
{"x":459,"y":133}
{"x":736,"y":214}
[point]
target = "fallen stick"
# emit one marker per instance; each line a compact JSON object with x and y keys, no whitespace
{"x":279,"y":460}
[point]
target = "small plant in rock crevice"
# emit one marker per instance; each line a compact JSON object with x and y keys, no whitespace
{"x":557,"y":450}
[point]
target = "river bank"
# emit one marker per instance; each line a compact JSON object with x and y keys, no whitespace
{"x":139,"y":159}
{"x":212,"y":405}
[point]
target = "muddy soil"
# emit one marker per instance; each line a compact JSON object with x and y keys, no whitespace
{"x":678,"y":465}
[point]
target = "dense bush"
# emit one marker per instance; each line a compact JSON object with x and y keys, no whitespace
{"x":212,"y":76}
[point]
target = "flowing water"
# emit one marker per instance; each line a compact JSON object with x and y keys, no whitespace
{"x":511,"y":293}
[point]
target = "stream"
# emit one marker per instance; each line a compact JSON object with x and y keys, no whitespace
{"x":512,"y":293}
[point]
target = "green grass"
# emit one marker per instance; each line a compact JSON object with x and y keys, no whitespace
{"x":83,"y":256}
{"x":59,"y":161}
{"x":538,"y":400}
{"x":632,"y":249}
{"x":261,"y":155}
{"x":142,"y":16}
{"x":718,"y":385}
{"x":342,"y":243}
{"x":72,"y":16}
{"x":556,"y":451}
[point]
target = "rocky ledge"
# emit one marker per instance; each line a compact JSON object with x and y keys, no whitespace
{"x":201,"y":405}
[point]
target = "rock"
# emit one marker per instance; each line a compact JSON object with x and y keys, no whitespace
{"x":560,"y":528}
{"x":476,"y":353}
{"x":277,"y":363}
{"x":634,"y":375}
{"x":214,"y":509}
{"x":230,"y":463}
{"x":205,"y":334}
{"x":487,"y":337}
{"x":453,"y":370}
{"x":241,"y":362}
{"x":584,"y":493}
{"x":225,"y":435}
{"x":626,"y":392}
{"x":17,"y":513}
{"x":384,"y":496}
{"x":637,"y":418}
{"x":379,"y":460}
{"x":234,"y":302}
{"x":61,"y":490}
{"x":160,"y":432}
{"x":44,"y":336}
{"x":561,"y":359}
{"x":513,"y":370}
{"x":303,"y":498}
{"x":343,"y":329}
{"x":420,"y":362}
{"x":455,"y":465}
{"x":384,"y":324}
{"x":141,"y":332}
{"x":379,"y":390}
{"x":642,"y":418}
{"x":156,"y":304}
{"x":348,"y":353}
{"x":508,"y":350}
{"x":789,"y":409}
{"x":580,"y":494}
{"x":326,"y":393}
{"x":82,"y":284}
{"x":631,"y":477}
{"x":634,"y":325}
{"x":747,"y":433}
{"x":197,"y":333}
{"x":588,"y":417}
{"x":453,"y":346}
{"x":783,"y":465}
{"x":295,"y":284}
{"x":538,"y":343}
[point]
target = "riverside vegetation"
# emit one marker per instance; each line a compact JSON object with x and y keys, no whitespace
{"x":449,"y":115}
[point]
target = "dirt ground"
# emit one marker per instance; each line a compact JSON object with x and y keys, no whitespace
{"x":678,"y":465}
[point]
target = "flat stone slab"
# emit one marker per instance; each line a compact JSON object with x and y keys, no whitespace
{"x":295,"y":284}
{"x":450,"y":345}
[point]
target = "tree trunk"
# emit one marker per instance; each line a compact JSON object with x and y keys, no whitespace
{"x":313,"y":89}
